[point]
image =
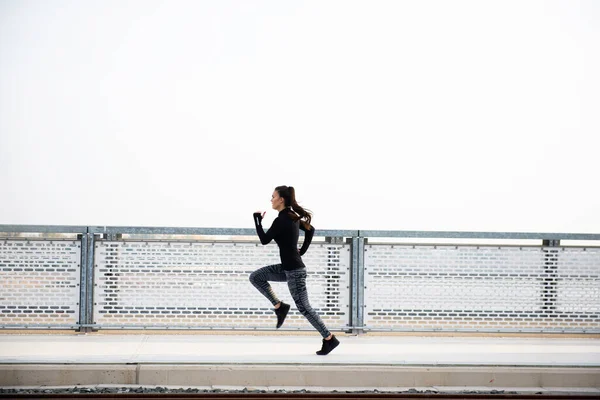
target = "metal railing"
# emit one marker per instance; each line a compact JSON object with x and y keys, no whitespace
{"x":91,"y":278}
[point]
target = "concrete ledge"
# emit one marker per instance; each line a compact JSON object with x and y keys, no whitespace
{"x":61,"y":375}
{"x":365,"y":376}
{"x":285,"y":375}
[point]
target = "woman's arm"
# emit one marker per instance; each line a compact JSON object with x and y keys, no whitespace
{"x":308,"y":235}
{"x":266,"y":237}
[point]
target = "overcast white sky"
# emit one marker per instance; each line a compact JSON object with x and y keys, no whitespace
{"x":404,"y":115}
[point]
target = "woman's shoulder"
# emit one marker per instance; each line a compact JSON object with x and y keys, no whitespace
{"x":287,"y":214}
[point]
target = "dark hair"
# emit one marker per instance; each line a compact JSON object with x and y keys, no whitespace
{"x":288,"y":194}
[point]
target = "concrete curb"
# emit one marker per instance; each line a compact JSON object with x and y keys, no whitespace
{"x":286,"y":375}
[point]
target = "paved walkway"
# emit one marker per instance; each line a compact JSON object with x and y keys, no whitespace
{"x":285,"y":349}
{"x":289,"y":360}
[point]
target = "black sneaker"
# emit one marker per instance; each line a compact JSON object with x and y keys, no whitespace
{"x":281,"y":313}
{"x":328,"y":345}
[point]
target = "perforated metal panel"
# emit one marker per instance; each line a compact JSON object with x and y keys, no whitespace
{"x":481,"y":288}
{"x":39,"y":282}
{"x":577,"y":284}
{"x":199,"y":284}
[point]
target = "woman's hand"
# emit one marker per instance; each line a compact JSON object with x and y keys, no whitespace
{"x":259,"y":215}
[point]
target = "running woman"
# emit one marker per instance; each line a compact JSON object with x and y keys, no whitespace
{"x":285,"y":231}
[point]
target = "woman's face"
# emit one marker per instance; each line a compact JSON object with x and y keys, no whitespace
{"x":276,"y":201}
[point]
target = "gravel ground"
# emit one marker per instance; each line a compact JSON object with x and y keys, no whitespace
{"x":146,"y":390}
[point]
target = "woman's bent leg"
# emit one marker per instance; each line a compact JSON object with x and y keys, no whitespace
{"x":297,"y":284}
{"x":261,"y":277}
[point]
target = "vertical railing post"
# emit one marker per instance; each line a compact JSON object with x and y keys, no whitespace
{"x":83,"y":286}
{"x":550,"y":280}
{"x":90,"y":279}
{"x":86,"y":298}
{"x":353,"y":242}
{"x":356,"y":284}
{"x":360,"y":318}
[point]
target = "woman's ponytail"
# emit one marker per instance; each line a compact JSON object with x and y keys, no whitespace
{"x":288,"y":193}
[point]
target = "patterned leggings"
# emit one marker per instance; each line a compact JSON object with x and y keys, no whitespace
{"x":296,"y":280}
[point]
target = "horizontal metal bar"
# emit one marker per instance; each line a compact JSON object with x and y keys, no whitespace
{"x":40,"y":326}
{"x":483,"y":330}
{"x":38,"y":239}
{"x":203,"y":328}
{"x":479,"y":235}
{"x":139,"y":230}
{"x":335,"y":233}
{"x":482,"y":246}
{"x":319,"y":232}
{"x":133,"y":230}
{"x":42,"y":229}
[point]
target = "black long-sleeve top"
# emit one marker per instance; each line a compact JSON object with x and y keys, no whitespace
{"x":285,"y":231}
